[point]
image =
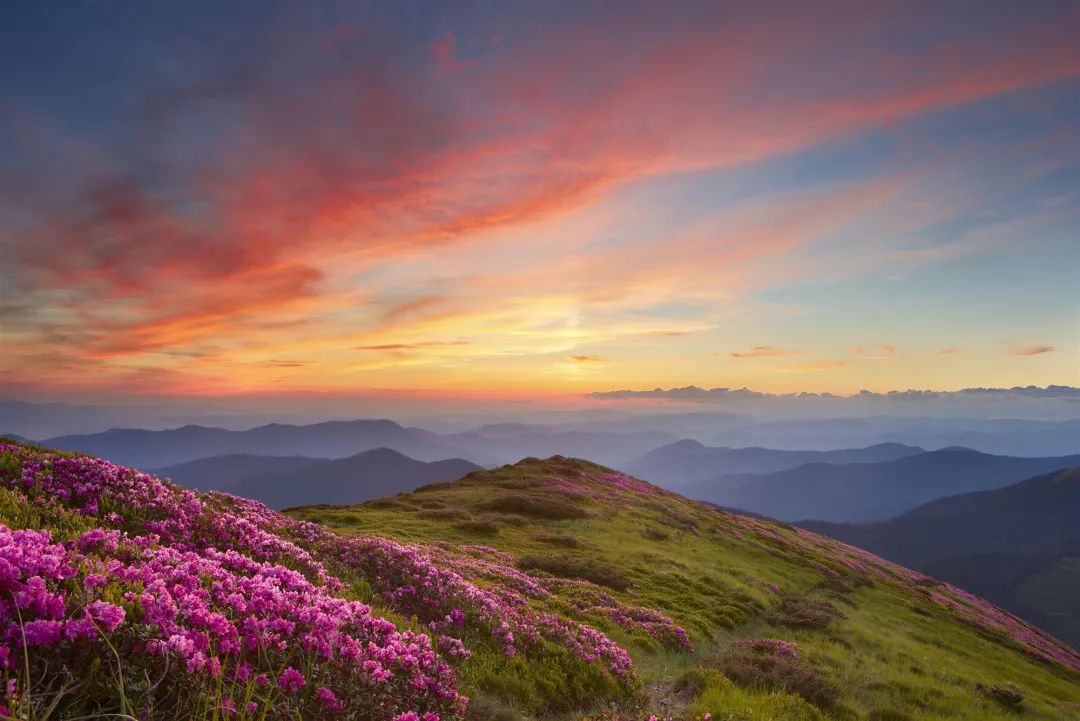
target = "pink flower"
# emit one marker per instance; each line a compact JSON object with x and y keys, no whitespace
{"x":41,"y":633}
{"x":328,"y":700}
{"x":107,"y":614}
{"x":291,"y":680}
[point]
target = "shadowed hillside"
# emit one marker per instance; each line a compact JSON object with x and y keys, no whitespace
{"x":291,"y":481}
{"x":1019,"y":546}
{"x":686,"y":461}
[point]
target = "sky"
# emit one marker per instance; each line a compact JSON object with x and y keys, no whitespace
{"x":537,"y":200}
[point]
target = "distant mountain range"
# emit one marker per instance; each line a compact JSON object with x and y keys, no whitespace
{"x":335,"y":439}
{"x":1003,"y":436}
{"x":338,"y":439}
{"x":869,"y":491}
{"x":678,"y":464}
{"x":1019,"y":546}
{"x":281,"y":482}
{"x":509,"y":444}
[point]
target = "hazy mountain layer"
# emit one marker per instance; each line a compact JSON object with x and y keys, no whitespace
{"x":869,"y":491}
{"x":334,"y":439}
{"x":291,"y":481}
{"x":686,"y":461}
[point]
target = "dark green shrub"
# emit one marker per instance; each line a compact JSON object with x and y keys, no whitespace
{"x":551,"y":507}
{"x":485,"y":708}
{"x":845,"y":583}
{"x":478,"y":526}
{"x":506,"y":519}
{"x":443,"y":514}
{"x":570,"y":567}
{"x":887,"y":715}
{"x":692,"y":681}
{"x":386,"y":503}
{"x":1008,"y":697}
{"x":805,"y":613}
{"x":753,"y":668}
{"x":555,"y":539}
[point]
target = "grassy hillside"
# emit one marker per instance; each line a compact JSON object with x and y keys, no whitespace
{"x":602,"y":546}
{"x":545,"y":589}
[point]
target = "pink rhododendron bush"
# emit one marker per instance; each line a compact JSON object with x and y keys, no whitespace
{"x":113,"y":620}
{"x":144,"y":599}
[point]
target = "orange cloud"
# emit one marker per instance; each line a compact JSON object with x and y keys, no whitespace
{"x":412,"y":346}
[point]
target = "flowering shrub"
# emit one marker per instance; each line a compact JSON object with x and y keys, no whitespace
{"x":805,"y":613}
{"x":985,"y":615}
{"x":236,"y":608}
{"x":775,"y":665}
{"x":1008,"y":697}
{"x":223,"y":630}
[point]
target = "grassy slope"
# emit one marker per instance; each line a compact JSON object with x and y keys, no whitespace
{"x":895,"y":651}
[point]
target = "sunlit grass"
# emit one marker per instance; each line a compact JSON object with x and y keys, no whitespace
{"x":893,"y":655}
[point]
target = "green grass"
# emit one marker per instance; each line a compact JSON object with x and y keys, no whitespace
{"x":892,"y":653}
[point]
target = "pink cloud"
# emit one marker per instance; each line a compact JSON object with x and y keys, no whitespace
{"x":444,"y":51}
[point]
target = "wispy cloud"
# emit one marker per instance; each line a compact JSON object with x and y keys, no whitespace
{"x":288,"y":363}
{"x":767,"y":351}
{"x":587,"y":359}
{"x":413,"y":346}
{"x":1027,"y":350}
{"x":885,"y":351}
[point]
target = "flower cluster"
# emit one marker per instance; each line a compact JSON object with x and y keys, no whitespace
{"x":985,"y":615}
{"x":242,"y":599}
{"x":443,"y":598}
{"x":588,"y":599}
{"x":178,"y":583}
{"x":442,"y":589}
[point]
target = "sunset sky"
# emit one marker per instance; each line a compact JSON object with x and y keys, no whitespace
{"x":537,"y":199}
